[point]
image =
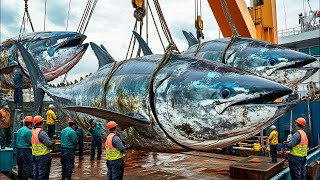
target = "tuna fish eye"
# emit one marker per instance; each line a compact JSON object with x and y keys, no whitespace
{"x":225,"y":93}
{"x":48,"y":42}
{"x":272,"y":62}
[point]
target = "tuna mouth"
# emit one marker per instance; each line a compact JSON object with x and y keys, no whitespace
{"x":289,"y":65}
{"x":256,"y":98}
{"x":74,"y":41}
{"x":59,"y":70}
{"x":233,"y":137}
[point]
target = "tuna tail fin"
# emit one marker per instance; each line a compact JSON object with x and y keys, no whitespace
{"x":39,"y":82}
{"x":103,"y":56}
{"x":190,"y":38}
{"x":144,"y":46}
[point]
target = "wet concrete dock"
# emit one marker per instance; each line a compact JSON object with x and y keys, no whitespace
{"x":149,"y":165}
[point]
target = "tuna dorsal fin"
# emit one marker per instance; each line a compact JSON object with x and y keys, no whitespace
{"x":103,"y":56}
{"x":123,"y":120}
{"x":190,"y":38}
{"x":103,"y":48}
{"x":144,"y":46}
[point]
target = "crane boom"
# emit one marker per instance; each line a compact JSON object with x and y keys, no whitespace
{"x":258,"y":22}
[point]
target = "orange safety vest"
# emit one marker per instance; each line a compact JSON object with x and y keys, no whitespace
{"x":5,"y":118}
{"x":301,"y":149}
{"x":38,"y":148}
{"x":112,"y":153}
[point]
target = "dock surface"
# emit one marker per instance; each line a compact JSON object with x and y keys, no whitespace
{"x":149,"y":165}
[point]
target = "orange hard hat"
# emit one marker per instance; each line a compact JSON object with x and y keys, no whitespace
{"x":37,"y":119}
{"x":28,"y":119}
{"x":70,"y":121}
{"x":111,"y":124}
{"x":301,"y":121}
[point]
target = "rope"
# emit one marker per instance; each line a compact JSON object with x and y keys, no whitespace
{"x":164,"y":25}
{"x":134,"y":28}
{"x":155,"y":24}
{"x":45,"y":15}
{"x":68,"y":15}
{"x":227,"y":14}
{"x":232,"y":40}
{"x":82,"y":17}
{"x":91,"y":12}
{"x":25,"y":18}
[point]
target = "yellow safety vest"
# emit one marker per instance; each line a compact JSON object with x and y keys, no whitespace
{"x":38,"y":148}
{"x":112,"y":153}
{"x":51,"y":117}
{"x":301,"y":149}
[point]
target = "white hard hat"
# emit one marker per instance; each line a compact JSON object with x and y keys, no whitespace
{"x":273,"y":127}
{"x":51,"y":106}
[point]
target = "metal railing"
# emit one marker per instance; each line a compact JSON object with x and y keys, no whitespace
{"x":298,"y":30}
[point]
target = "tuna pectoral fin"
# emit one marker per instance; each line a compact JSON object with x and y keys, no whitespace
{"x":7,"y":69}
{"x":123,"y":120}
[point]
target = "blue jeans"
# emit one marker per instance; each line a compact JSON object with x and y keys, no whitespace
{"x":274,"y":153}
{"x":297,"y":167}
{"x":5,"y":137}
{"x":67,"y":162}
{"x":51,"y":130}
{"x":80,"y":144}
{"x":115,"y":169}
{"x":24,"y":162}
{"x":18,"y":95}
{"x":41,"y":167}
{"x":96,"y":142}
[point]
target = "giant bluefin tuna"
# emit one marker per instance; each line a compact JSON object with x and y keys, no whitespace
{"x":55,"y":53}
{"x":262,"y":58}
{"x":169,"y":103}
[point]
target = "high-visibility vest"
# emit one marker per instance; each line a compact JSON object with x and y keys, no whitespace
{"x":112,"y":153}
{"x":301,"y":149}
{"x":38,"y":148}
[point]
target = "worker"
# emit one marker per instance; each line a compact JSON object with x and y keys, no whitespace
{"x":41,"y":150}
{"x":51,"y":118}
{"x":298,"y":146}
{"x":80,"y":135}
{"x":114,"y":153}
{"x":24,"y":153}
{"x":5,"y":125}
{"x":273,"y":141}
{"x":68,"y":142}
{"x":96,"y":141}
{"x":17,"y":79}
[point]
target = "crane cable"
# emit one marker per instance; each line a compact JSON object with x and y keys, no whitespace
{"x":68,"y":16}
{"x":139,"y":13}
{"x":25,"y":19}
{"x":45,"y":15}
{"x":198,"y":23}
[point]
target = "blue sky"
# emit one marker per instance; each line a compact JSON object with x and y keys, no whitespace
{"x":112,"y":23}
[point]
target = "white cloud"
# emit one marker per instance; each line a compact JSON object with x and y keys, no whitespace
{"x":112,"y":23}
